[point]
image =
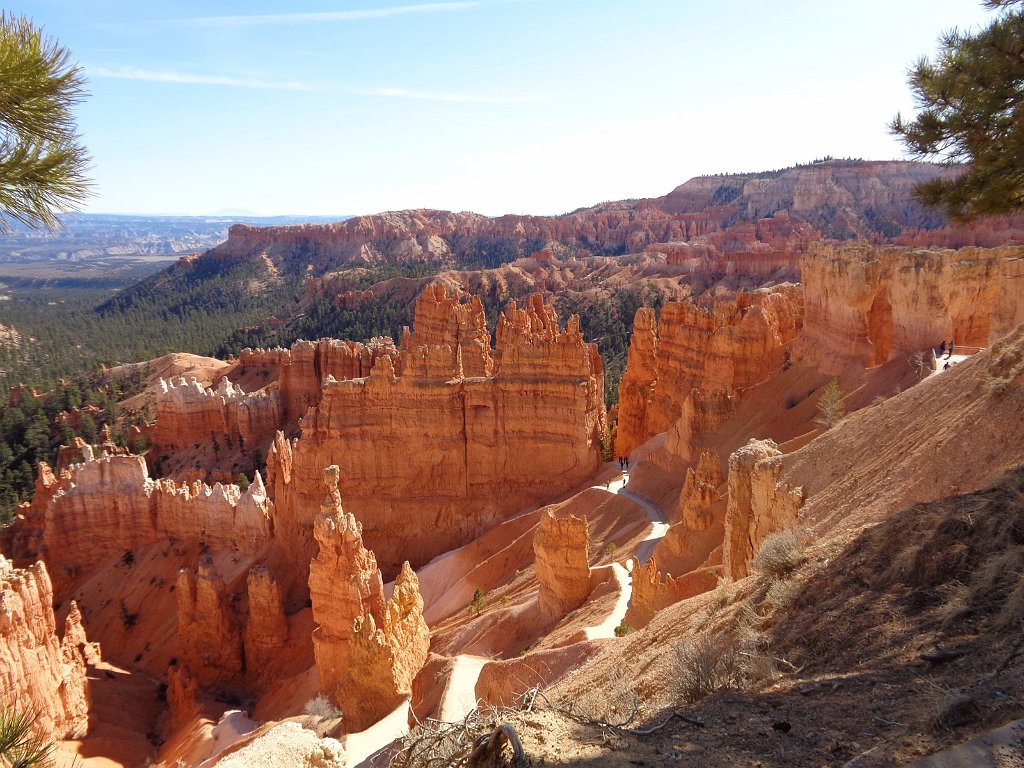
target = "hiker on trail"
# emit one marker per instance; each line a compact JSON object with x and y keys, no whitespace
{"x":945,"y":367}
{"x":950,"y":351}
{"x":627,"y":464}
{"x":942,"y":348}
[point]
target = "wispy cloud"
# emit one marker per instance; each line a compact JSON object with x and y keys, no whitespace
{"x":199,"y":79}
{"x":328,"y":16}
{"x":460,"y":98}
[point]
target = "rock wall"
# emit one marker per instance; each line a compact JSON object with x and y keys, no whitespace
{"x":38,"y":671}
{"x":100,"y":508}
{"x":432,"y":458}
{"x":758,"y":504}
{"x":866,"y":305}
{"x":729,"y":347}
{"x":385,"y":655}
{"x":561,"y":549}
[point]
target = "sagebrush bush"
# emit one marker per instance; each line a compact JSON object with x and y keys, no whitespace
{"x":780,"y":554}
{"x":320,"y":707}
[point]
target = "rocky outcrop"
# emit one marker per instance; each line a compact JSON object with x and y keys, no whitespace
{"x":100,"y":508}
{"x":866,"y":305}
{"x":561,"y":550}
{"x":39,"y":672}
{"x":700,"y":491}
{"x":729,"y":347}
{"x":442,"y":321}
{"x":385,"y":655}
{"x":758,"y":504}
{"x":432,"y":457}
{"x":187,"y":413}
{"x":209,"y":637}
{"x":266,"y":629}
{"x":285,"y":745}
{"x":183,"y":696}
{"x":344,"y":584}
{"x":222,"y":427}
{"x":654,"y":591}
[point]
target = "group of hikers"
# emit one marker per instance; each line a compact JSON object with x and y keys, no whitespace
{"x":624,"y":464}
{"x":947,"y":351}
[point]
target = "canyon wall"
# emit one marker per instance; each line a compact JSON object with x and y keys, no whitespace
{"x":727,"y":347}
{"x":757,"y":223}
{"x":431,"y":458}
{"x":39,"y":672}
{"x":99,"y":509}
{"x":866,"y":305}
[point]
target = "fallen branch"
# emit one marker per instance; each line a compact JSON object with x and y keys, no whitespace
{"x":677,"y":715}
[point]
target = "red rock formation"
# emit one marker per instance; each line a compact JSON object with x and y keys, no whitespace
{"x":758,"y":505}
{"x":442,"y":320}
{"x":266,"y":629}
{"x":561,"y":548}
{"x":700,"y":491}
{"x":344,"y":584}
{"x":192,"y":419}
{"x":38,"y":672}
{"x":102,"y":507}
{"x":460,"y":452}
{"x":385,"y":655}
{"x":733,"y":346}
{"x":866,"y":305}
{"x":209,"y":639}
{"x":654,"y":591}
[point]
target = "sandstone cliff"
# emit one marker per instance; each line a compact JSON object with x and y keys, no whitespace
{"x":755,"y":221}
{"x":266,"y":629}
{"x":432,"y":457}
{"x":867,"y":305}
{"x":729,"y":347}
{"x":100,"y":508}
{"x":39,"y":672}
{"x":561,"y":548}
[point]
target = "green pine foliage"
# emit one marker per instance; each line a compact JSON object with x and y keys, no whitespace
{"x":42,"y":164}
{"x":970,"y":99}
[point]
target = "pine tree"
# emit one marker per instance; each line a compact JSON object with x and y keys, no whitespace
{"x":830,"y":405}
{"x":42,"y":163}
{"x":971,"y":102}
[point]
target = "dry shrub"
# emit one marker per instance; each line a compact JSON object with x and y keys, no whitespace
{"x":614,"y":701}
{"x":737,"y":660}
{"x":780,"y":554}
{"x":782,"y":594}
{"x":953,"y":709}
{"x":321,"y":708}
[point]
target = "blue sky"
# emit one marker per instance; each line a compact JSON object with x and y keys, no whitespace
{"x":495,"y":106}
